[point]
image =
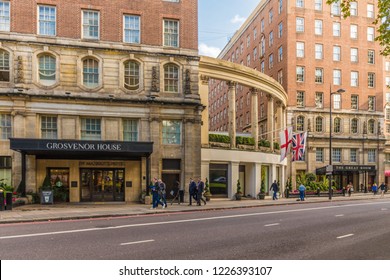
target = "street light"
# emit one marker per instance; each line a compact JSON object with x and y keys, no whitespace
{"x":330,"y":171}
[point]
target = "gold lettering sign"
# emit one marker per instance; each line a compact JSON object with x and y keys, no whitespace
{"x":101,"y":164}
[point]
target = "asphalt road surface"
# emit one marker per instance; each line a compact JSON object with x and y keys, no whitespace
{"x":353,"y":230}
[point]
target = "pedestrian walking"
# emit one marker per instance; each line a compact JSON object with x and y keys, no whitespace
{"x":275,"y":189}
{"x":155,"y":196}
{"x":382,"y":188}
{"x":176,"y":192}
{"x":162,"y":190}
{"x":302,"y":190}
{"x":192,"y":191}
{"x":350,"y":189}
{"x":200,"y":190}
{"x":374,"y":188}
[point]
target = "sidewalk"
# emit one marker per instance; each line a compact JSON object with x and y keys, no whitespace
{"x":65,"y":211}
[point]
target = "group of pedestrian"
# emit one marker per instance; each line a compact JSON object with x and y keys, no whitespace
{"x":159,"y":193}
{"x":196,"y":191}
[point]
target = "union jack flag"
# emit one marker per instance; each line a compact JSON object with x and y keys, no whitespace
{"x":298,"y":146}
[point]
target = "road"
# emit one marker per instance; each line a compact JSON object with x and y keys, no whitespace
{"x":354,"y":230}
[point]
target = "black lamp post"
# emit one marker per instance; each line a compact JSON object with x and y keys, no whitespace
{"x":330,"y":171}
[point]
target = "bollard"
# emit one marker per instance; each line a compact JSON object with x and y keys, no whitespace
{"x":2,"y":206}
{"x":8,"y":201}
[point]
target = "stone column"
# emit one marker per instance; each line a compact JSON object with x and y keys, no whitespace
{"x":255,"y":116}
{"x":232,"y":113}
{"x":204,"y":99}
{"x":233,"y":176}
{"x":270,"y":121}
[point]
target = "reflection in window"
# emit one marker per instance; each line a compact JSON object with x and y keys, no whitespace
{"x":171,"y":132}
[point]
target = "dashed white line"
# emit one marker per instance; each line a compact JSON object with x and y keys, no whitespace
{"x":272,"y":225}
{"x":345,"y":236}
{"x":137,"y":242}
{"x":340,"y":215}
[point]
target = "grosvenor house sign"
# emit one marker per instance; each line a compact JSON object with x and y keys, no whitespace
{"x":74,"y":146}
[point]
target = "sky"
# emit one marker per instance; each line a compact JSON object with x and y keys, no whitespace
{"x":218,"y":20}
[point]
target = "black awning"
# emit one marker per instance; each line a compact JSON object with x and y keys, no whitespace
{"x":81,"y":149}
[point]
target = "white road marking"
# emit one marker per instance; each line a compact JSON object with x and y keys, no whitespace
{"x":340,"y":215}
{"x":137,"y":242}
{"x":190,"y":220}
{"x":271,"y":225}
{"x":344,"y":236}
{"x":384,"y":209}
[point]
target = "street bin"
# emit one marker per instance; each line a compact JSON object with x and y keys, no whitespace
{"x":181,"y":196}
{"x":2,"y":202}
{"x":8,"y":201}
{"x":46,"y":197}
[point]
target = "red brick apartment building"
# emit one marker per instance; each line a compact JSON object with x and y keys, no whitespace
{"x":98,"y":96}
{"x":313,"y":52}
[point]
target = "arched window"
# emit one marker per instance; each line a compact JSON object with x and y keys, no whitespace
{"x":171,"y":78}
{"x":47,"y":69}
{"x":371,"y":127}
{"x":90,"y":73}
{"x":337,"y":125}
{"x":4,"y":66}
{"x":132,"y":75}
{"x":354,"y":126}
{"x":319,"y":124}
{"x":300,"y":123}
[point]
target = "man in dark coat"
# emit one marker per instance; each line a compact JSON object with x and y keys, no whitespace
{"x":200,"y":188}
{"x":275,"y":189}
{"x":192,"y":190}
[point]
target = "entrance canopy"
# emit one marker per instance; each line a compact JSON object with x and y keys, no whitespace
{"x":81,"y":149}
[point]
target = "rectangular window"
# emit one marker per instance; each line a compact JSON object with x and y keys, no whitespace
{"x":5,"y":16}
{"x":131,"y":29}
{"x":318,"y":5}
{"x":5,"y":126}
{"x":171,"y":132}
{"x":371,"y":80}
{"x":353,"y":31}
{"x":4,"y":66}
{"x":248,"y":60}
{"x":354,"y":9}
{"x":300,"y":99}
{"x":270,"y":16}
{"x":300,"y":49}
{"x":319,"y":100}
{"x":300,"y":24}
{"x":280,"y":7}
{"x":336,"y":29}
{"x":387,"y":66}
{"x":130,"y":130}
{"x":336,"y":53}
{"x":354,"y":102}
{"x":271,"y":61}
{"x":254,"y":34}
{"x":300,"y":3}
{"x":353,"y":155}
{"x":91,"y":25}
{"x":336,"y":77}
{"x":354,"y":79}
{"x":280,"y":54}
{"x":280,"y":77}
{"x":262,"y":25}
{"x":171,"y":33}
{"x":337,"y":101}
{"x":370,"y":34}
{"x":47,"y":20}
{"x":336,"y":155}
{"x":6,"y":170}
{"x":371,"y":103}
{"x":300,"y":74}
{"x":371,"y":57}
{"x":49,"y":127}
{"x":255,"y":54}
{"x":280,"y":30}
{"x":319,"y":53}
{"x":271,"y":38}
{"x":371,"y":155}
{"x":335,"y":8}
{"x":91,"y":129}
{"x":319,"y":75}
{"x":318,"y":27}
{"x":248,"y":41}
{"x":319,"y":154}
{"x":354,"y":55}
{"x":370,"y":11}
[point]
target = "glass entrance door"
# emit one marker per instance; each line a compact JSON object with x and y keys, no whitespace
{"x":102,"y":184}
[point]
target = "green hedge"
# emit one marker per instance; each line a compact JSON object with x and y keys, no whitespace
{"x":245,"y":140}
{"x":219,"y":138}
{"x":264,"y":143}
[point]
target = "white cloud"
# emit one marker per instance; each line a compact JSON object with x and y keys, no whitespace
{"x":238,"y":19}
{"x":208,"y":50}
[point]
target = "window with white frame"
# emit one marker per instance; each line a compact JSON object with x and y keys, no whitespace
{"x":300,"y":99}
{"x":371,"y":126}
{"x":370,"y":11}
{"x":131,"y":29}
{"x":171,"y":78}
{"x":5,"y":19}
{"x":371,"y":57}
{"x":319,"y":100}
{"x":254,"y":34}
{"x":131,"y":75}
{"x":171,"y":132}
{"x":354,"y":102}
{"x":336,"y":155}
{"x":353,"y":31}
{"x":300,"y":49}
{"x":90,"y":23}
{"x":319,"y":51}
{"x":280,"y":6}
{"x":354,"y":79}
{"x":49,"y":127}
{"x":335,"y":8}
{"x":280,"y":54}
{"x":255,"y":54}
{"x":5,"y":126}
{"x":318,"y":5}
{"x":371,"y":103}
{"x":319,"y":124}
{"x":47,"y":20}
{"x":171,"y":33}
{"x":370,"y":34}
{"x":336,"y":53}
{"x":4,"y":66}
{"x":90,"y":72}
{"x":300,"y":24}
{"x":248,"y":41}
{"x":130,"y":130}
{"x":353,"y":8}
{"x":354,"y":126}
{"x":271,"y":61}
{"x":319,"y":75}
{"x":280,"y":76}
{"x":262,"y":46}
{"x":319,"y":154}
{"x":371,"y":155}
{"x":353,"y":155}
{"x":248,"y":60}
{"x":270,"y":16}
{"x":47,"y":69}
{"x":300,"y":3}
{"x":336,"y":101}
{"x":371,"y":80}
{"x":336,"y":77}
{"x":337,"y":125}
{"x":318,"y":27}
{"x":300,"y":73}
{"x":280,"y":30}
{"x":354,"y":55}
{"x":262,"y":66}
{"x":91,"y":129}
{"x":262,"y":25}
{"x":300,"y":123}
{"x":336,"y":29}
{"x":271,"y":38}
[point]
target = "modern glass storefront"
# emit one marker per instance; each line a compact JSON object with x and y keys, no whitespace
{"x":219,"y":179}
